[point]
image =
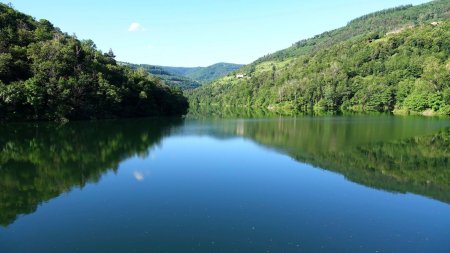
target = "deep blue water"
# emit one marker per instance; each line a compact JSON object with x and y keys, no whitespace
{"x":329,"y":184}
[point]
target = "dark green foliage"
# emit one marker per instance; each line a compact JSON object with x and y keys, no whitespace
{"x":367,"y":70}
{"x":48,"y":75}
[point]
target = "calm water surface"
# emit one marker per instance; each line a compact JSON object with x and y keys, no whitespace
{"x":306,"y":184}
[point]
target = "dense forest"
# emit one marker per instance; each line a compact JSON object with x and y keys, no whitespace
{"x":397,"y":60}
{"x":46,"y":74}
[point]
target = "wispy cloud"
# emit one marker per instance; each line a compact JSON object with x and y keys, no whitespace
{"x":139,"y":176}
{"x":136,"y":27}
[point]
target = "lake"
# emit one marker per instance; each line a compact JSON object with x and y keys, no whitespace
{"x":302,"y":184}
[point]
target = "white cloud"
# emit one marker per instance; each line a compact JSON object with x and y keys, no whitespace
{"x":136,"y":27}
{"x":139,"y":176}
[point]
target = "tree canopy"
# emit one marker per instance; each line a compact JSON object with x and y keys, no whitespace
{"x":46,"y":74}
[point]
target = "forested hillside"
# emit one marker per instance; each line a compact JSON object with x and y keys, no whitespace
{"x":46,"y":74}
{"x":392,"y":60}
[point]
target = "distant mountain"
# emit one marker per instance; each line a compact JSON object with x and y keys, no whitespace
{"x":205,"y":74}
{"x":395,"y":60}
{"x":187,"y":78}
{"x":181,"y":71}
{"x":170,"y":78}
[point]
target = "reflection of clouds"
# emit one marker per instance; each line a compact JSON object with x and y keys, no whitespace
{"x":139,"y":176}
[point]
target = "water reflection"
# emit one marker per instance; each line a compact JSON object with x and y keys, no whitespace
{"x":399,"y":154}
{"x":38,"y":162}
{"x":138,"y":175}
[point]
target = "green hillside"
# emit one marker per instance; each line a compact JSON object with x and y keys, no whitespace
{"x":377,"y":23}
{"x":392,"y":60}
{"x":46,"y":74}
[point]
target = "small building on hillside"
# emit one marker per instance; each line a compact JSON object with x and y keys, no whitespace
{"x":435,"y":23}
{"x":240,"y":76}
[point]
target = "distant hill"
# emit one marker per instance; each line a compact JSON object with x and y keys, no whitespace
{"x":204,"y":74}
{"x":187,"y":78}
{"x":392,"y":60}
{"x":169,"y":78}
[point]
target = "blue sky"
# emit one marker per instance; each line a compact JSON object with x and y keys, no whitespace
{"x":198,"y":32}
